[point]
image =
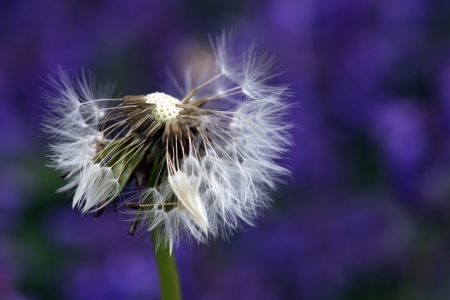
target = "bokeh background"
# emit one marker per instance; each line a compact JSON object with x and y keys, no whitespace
{"x":365,"y":214}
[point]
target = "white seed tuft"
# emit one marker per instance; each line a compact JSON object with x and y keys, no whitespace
{"x":186,"y":188}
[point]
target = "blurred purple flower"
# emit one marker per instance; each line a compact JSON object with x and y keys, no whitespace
{"x":105,"y":263}
{"x":400,"y":128}
{"x":116,"y":276}
{"x":17,"y":185}
{"x":8,"y":274}
{"x":444,"y":96}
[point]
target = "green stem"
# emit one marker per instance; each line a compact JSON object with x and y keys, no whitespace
{"x":168,"y":272}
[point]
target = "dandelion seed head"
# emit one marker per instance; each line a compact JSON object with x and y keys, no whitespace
{"x":166,"y":106}
{"x":203,"y":163}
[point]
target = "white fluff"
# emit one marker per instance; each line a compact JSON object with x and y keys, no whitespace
{"x":186,"y":189}
{"x":71,"y":124}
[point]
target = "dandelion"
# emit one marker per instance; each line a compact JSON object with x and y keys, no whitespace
{"x":203,"y":160}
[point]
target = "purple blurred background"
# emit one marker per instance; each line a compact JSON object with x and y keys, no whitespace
{"x":366,"y":212}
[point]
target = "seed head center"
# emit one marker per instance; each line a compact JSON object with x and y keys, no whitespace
{"x":165,"y":109}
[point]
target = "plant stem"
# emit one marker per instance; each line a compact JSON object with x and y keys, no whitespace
{"x":168,"y":272}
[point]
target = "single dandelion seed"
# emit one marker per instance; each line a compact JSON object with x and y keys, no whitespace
{"x":203,"y":159}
